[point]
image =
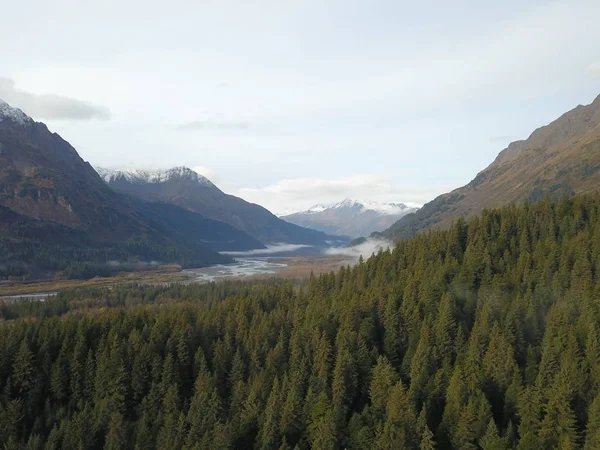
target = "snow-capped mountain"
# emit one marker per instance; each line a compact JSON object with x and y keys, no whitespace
{"x":186,"y":188}
{"x":55,"y":211}
{"x":351,"y":217}
{"x":14,"y":114}
{"x":140,"y":176}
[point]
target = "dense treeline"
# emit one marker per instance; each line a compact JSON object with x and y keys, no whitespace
{"x":81,"y":258}
{"x":486,"y":335}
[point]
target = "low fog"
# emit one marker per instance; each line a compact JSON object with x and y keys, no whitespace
{"x":270,"y":250}
{"x":366,"y":249}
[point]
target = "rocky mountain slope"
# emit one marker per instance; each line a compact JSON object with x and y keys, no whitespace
{"x":350,"y":217}
{"x":55,"y":210}
{"x":184,"y":187}
{"x":559,"y":159}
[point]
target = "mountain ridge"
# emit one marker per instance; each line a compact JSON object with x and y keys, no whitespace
{"x":350,"y":217}
{"x":55,"y":210}
{"x":152,"y":176}
{"x":185,"y":188}
{"x":559,"y":159}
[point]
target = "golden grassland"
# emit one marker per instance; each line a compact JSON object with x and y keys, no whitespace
{"x":301,"y":267}
{"x":164,"y":275}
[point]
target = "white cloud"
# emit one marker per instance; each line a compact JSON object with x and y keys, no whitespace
{"x":365,"y":249}
{"x":409,"y":90}
{"x":593,"y":70}
{"x":50,"y":106}
{"x":212,"y":124}
{"x":205,"y":172}
{"x":270,"y":250}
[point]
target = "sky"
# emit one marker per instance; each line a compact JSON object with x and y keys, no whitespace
{"x":292,"y":103}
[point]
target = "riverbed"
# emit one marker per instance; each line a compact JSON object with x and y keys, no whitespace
{"x":294,"y":268}
{"x":242,"y":268}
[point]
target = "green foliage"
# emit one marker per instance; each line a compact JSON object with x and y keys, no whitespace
{"x":483,"y":336}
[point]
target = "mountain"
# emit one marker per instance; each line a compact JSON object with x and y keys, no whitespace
{"x":351,"y":217}
{"x":559,"y":159}
{"x":186,"y":188}
{"x":55,"y":210}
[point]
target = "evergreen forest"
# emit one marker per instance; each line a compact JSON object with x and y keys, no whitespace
{"x":485,"y":335}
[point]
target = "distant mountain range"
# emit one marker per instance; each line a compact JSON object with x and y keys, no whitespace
{"x":56,"y":211}
{"x":351,"y":217}
{"x":559,"y":159}
{"x":185,"y":188}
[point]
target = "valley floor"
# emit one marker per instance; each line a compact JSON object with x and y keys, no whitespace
{"x":298,"y":268}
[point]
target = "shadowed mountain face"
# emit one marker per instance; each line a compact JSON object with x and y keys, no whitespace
{"x":55,"y":210}
{"x":184,"y":187}
{"x":560,"y":159}
{"x":353,"y":218}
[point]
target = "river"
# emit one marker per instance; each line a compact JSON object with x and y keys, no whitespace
{"x":241,"y":268}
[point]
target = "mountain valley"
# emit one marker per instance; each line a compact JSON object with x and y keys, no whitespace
{"x":185,"y":188}
{"x":56,"y":212}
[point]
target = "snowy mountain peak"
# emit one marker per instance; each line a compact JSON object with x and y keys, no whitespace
{"x":391,"y":209}
{"x":351,"y":217}
{"x":348,"y":203}
{"x":140,"y":176}
{"x":8,"y":112}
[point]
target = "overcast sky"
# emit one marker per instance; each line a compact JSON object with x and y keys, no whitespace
{"x":291,"y":103}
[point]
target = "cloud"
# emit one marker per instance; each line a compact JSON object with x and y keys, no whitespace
{"x":205,"y":172}
{"x":364,"y":249}
{"x":593,"y":70}
{"x":270,"y":250}
{"x":212,"y":124}
{"x":50,"y":106}
{"x":292,"y":195}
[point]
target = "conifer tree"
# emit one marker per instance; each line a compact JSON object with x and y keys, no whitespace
{"x":116,"y":437}
{"x":384,"y":377}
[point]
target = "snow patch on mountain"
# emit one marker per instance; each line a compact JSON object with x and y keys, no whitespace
{"x":141,"y":176}
{"x":351,"y":217}
{"x":317,"y":209}
{"x":8,"y":112}
{"x":388,"y":209}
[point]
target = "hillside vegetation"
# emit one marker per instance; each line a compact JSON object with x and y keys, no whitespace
{"x":57,"y":214}
{"x":485,"y":335}
{"x":559,"y":159}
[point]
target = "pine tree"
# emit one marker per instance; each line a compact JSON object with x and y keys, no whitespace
{"x":143,"y":436}
{"x":491,"y":440}
{"x":445,"y":329}
{"x":559,"y":423}
{"x":592,"y":432}
{"x":116,"y":437}
{"x":322,"y":429}
{"x":465,"y":433}
{"x":23,"y":371}
{"x":399,"y":430}
{"x":270,"y":433}
{"x":204,"y":409}
{"x":427,"y":441}
{"x":384,"y":377}
{"x":171,"y":433}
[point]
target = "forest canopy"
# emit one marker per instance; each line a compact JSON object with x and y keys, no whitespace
{"x":482,"y":336}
